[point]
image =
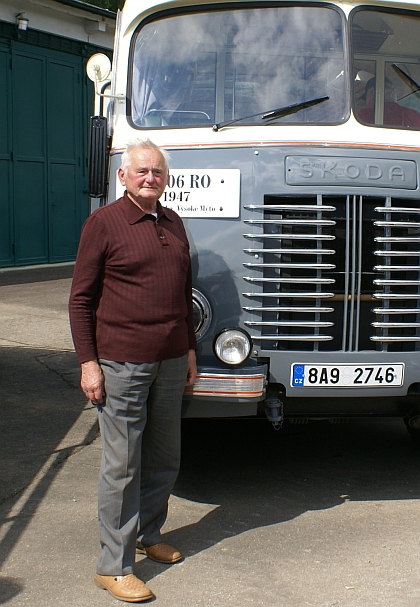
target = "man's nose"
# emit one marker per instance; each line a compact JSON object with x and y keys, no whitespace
{"x":150,"y":176}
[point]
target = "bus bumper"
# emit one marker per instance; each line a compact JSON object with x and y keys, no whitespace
{"x":225,"y":392}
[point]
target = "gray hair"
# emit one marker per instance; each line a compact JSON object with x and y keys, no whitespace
{"x":142,"y":144}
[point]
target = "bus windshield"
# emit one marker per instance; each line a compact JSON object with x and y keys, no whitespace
{"x":203,"y":68}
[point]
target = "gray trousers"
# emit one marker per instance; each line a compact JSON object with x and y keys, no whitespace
{"x":140,"y":425}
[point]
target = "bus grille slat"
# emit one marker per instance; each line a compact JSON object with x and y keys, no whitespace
{"x":291,"y":295}
{"x":289,"y":236}
{"x":292,"y":337}
{"x":397,"y":253}
{"x":295,"y":323}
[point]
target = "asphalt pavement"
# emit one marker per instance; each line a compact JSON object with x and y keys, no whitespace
{"x":318,"y":517}
{"x":44,"y":419}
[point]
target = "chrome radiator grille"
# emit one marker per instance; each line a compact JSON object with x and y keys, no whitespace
{"x":333,"y":273}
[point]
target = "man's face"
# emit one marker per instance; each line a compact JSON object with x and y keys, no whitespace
{"x":146,"y":176}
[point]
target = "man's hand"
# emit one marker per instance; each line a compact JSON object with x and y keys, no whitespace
{"x":92,"y":381}
{"x":192,"y":368}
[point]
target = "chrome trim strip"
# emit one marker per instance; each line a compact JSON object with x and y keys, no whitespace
{"x":292,"y":295}
{"x":395,"y":295}
{"x":380,"y":281}
{"x":288,"y":309}
{"x":290,"y":207}
{"x":396,"y":268}
{"x":323,"y":266}
{"x":397,"y":224}
{"x":346,"y":278}
{"x":291,"y":222}
{"x":397,"y":253}
{"x":393,"y":338}
{"x":287,"y":323}
{"x":300,"y":281}
{"x":292,"y":337}
{"x":397,"y":210}
{"x":401,"y":311}
{"x":397,"y":239}
{"x":359,"y":295}
{"x":291,"y":236}
{"x":396,"y":325}
{"x":293,"y":251}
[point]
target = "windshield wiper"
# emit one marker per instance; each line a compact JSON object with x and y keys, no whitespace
{"x":274,"y":114}
{"x":413,"y":83}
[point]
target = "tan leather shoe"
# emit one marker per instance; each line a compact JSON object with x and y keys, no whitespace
{"x":124,"y":587}
{"x":162,"y":553}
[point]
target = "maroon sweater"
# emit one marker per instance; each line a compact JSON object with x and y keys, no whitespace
{"x":394,"y":115}
{"x":130,"y":299}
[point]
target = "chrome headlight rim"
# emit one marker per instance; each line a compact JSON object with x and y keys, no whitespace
{"x":224,"y":335}
{"x":202,"y":304}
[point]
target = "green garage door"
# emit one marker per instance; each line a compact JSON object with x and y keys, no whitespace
{"x":44,"y":115}
{"x":6,"y":225}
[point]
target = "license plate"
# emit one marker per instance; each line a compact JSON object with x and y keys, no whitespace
{"x":347,"y":376}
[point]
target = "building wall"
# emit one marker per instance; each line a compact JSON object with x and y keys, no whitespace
{"x":87,"y":24}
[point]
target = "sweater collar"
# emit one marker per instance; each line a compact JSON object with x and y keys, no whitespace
{"x":135,"y":213}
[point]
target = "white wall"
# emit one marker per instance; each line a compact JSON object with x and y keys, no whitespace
{"x":62,"y":20}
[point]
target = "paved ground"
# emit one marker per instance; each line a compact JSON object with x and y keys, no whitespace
{"x":310,"y":516}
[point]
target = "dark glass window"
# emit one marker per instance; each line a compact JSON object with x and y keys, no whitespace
{"x":386,"y":68}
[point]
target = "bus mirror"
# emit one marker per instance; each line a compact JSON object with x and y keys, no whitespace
{"x":98,"y":151}
{"x":98,"y":67}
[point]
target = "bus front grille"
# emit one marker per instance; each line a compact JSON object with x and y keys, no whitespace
{"x":333,"y":273}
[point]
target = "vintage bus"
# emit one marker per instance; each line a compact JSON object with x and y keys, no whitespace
{"x":293,"y":129}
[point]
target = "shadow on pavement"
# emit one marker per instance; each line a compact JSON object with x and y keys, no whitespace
{"x":258,"y":477}
{"x":9,"y":587}
{"x":40,"y":408}
{"x":27,"y":274}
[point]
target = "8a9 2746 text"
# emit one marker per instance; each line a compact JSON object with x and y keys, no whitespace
{"x":350,"y":376}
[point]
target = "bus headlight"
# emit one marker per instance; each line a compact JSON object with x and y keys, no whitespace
{"x":202,"y":313}
{"x":232,"y":346}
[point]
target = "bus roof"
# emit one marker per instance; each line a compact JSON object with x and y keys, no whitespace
{"x":133,"y":8}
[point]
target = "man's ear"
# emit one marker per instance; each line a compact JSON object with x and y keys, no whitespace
{"x":121,"y":176}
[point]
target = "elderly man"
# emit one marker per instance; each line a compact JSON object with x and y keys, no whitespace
{"x":131,"y":318}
